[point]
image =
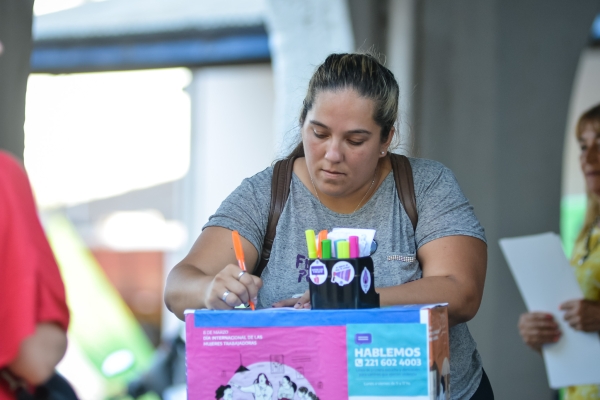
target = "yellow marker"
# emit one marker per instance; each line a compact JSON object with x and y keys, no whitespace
{"x":343,"y":249}
{"x":311,"y":243}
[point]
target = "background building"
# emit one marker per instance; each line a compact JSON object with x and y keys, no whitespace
{"x":489,"y":88}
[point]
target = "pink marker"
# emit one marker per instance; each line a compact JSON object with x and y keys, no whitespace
{"x":354,"y":253}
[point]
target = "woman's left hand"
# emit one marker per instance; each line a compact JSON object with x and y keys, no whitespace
{"x":583,"y":315}
{"x":296,"y":302}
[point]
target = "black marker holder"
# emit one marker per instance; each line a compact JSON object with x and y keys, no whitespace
{"x":337,"y":291}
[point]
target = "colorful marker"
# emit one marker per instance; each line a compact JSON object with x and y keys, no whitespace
{"x":334,"y":248}
{"x":354,"y":252}
{"x":239,"y":254}
{"x":322,"y":236}
{"x":343,"y":249}
{"x":326,"y":249}
{"x":311,"y":243}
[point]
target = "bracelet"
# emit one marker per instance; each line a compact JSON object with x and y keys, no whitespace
{"x":13,"y":382}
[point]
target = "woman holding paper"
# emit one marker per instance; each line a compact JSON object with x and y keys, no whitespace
{"x":343,"y":178}
{"x":538,"y":328}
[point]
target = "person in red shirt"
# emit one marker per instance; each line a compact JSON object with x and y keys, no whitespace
{"x":33,"y":311}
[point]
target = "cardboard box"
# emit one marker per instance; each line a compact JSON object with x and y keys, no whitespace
{"x":388,"y":353}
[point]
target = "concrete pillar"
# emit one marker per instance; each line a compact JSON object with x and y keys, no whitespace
{"x":493,"y":81}
{"x":400,"y":52}
{"x":15,"y":35}
{"x":387,"y":28}
{"x":370,"y":24}
{"x":301,"y":35}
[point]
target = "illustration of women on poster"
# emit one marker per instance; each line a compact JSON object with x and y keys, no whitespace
{"x":262,"y":389}
{"x":224,"y":392}
{"x":306,"y":394}
{"x":287,"y":389}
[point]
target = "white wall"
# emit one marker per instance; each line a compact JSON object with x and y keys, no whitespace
{"x":231,"y":139}
{"x":232,"y":132}
{"x":302,"y":33}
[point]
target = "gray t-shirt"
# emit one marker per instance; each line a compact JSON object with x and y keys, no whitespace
{"x":442,"y":208}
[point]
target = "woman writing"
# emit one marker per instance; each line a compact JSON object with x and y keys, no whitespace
{"x":537,"y":328}
{"x":224,"y":392}
{"x":342,"y":178}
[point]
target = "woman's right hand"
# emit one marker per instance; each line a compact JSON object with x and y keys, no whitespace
{"x":537,"y":329}
{"x":209,"y":270}
{"x":240,"y":287}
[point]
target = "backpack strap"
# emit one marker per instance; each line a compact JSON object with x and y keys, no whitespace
{"x":280,"y":190}
{"x":405,"y":186}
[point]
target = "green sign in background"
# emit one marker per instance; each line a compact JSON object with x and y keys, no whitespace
{"x":572,"y":214}
{"x":101,"y":323}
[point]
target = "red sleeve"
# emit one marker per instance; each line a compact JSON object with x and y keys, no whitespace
{"x":31,"y":289}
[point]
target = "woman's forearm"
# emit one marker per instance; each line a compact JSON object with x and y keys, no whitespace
{"x":40,"y":353}
{"x":184,"y":289}
{"x":463,"y":302}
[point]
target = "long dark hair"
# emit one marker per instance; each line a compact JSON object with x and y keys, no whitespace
{"x":292,"y":383}
{"x":266,"y":379}
{"x":310,"y":394}
{"x":221,"y":391}
{"x":363,"y":73}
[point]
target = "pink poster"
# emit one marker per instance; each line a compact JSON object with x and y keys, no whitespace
{"x":254,"y":363}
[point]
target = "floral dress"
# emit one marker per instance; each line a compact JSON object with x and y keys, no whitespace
{"x":588,"y":276}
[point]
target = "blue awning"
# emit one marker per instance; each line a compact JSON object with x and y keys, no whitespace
{"x":137,"y":34}
{"x":596,"y":29}
{"x":88,"y":56}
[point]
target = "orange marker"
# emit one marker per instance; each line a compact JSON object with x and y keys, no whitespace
{"x":322,"y":236}
{"x":239,"y":254}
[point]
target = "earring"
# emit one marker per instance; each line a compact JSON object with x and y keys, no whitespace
{"x":383,"y":152}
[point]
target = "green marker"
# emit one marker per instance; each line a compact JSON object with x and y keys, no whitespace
{"x":311,"y":243}
{"x":343,"y":249}
{"x":326,"y":249}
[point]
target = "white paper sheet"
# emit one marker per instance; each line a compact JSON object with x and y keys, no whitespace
{"x":545,"y":280}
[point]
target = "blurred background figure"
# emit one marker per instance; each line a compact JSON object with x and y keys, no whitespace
{"x":166,"y":374}
{"x":33,"y":309}
{"x":125,"y":110}
{"x":537,"y":328}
